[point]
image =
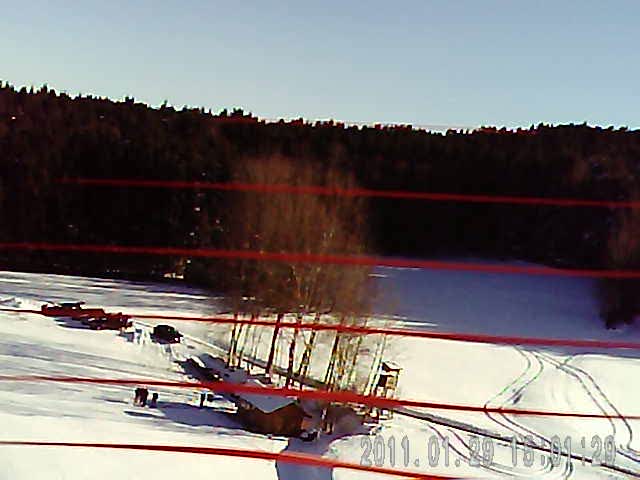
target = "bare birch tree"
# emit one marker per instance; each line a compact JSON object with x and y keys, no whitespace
{"x":296,"y":223}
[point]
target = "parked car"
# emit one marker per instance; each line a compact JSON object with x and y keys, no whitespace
{"x":89,"y":313}
{"x":86,"y":315}
{"x":109,"y":321}
{"x":166,"y":334}
{"x":73,"y":310}
{"x":64,"y":309}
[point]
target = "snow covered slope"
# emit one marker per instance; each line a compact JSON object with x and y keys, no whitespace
{"x":34,"y":345}
{"x":433,"y":370}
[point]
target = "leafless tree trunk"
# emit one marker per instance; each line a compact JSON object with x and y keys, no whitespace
{"x":329,"y":374}
{"x":306,"y":355}
{"x":351,"y":369}
{"x":376,"y":363}
{"x":292,"y":356}
{"x":233,"y":341}
{"x":274,"y":342}
{"x":247,"y":335}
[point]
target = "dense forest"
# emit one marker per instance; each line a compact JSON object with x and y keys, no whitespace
{"x":47,"y":136}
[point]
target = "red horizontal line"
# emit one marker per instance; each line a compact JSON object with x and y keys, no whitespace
{"x":368,"y":330}
{"x":288,"y":457}
{"x":332,"y":396}
{"x":355,"y":260}
{"x":351,"y":192}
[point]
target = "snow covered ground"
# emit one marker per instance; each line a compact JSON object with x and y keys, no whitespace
{"x":569,"y":380}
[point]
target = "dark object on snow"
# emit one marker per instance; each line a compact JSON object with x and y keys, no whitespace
{"x":136,"y":397}
{"x":144,"y":393}
{"x":71,"y":305}
{"x":153,"y":403}
{"x":201,"y":369}
{"x":203,"y":396}
{"x":309,"y":436}
{"x":166,"y":334}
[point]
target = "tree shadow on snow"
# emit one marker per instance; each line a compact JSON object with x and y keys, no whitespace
{"x":174,"y":414}
{"x":68,"y":322}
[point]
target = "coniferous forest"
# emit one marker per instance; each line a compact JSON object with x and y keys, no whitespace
{"x":46,"y":137}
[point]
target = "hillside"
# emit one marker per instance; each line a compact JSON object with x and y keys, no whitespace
{"x":45,"y":136}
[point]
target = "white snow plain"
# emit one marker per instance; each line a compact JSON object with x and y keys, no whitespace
{"x":555,"y":379}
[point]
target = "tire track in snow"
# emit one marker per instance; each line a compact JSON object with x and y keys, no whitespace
{"x":517,"y":386}
{"x":502,"y":419}
{"x":585,"y":378}
{"x":427,"y":417}
{"x":505,"y":469}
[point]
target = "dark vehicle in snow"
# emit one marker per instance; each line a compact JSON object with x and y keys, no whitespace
{"x":166,"y":334}
{"x":200,"y":370}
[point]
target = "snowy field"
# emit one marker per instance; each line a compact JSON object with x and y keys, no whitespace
{"x":567,"y":380}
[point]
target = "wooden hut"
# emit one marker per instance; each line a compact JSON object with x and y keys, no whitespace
{"x":270,"y":414}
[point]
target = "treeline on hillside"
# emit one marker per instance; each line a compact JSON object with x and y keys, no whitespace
{"x":46,"y":136}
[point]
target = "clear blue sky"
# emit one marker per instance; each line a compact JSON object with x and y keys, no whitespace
{"x":450,"y":62}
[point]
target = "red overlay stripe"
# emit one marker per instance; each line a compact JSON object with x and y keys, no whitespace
{"x":331,"y":396}
{"x":354,"y":260}
{"x":369,"y":330}
{"x":288,"y":457}
{"x":351,"y":192}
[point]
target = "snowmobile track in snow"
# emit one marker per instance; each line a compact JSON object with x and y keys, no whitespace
{"x":526,"y":378}
{"x":581,"y":375}
{"x":501,"y":438}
